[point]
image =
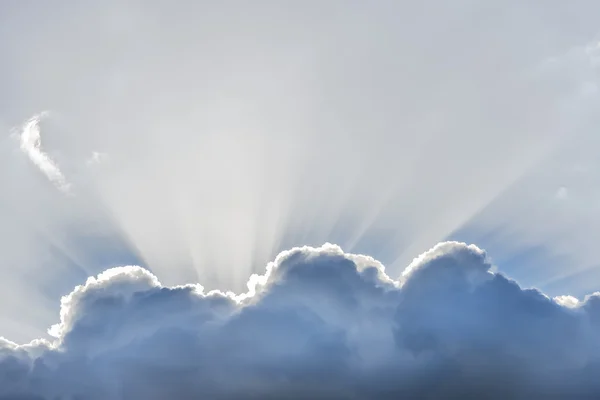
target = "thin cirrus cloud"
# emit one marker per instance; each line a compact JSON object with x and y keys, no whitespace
{"x":319,"y":323}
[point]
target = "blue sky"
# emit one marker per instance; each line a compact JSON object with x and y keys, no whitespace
{"x":202,"y":139}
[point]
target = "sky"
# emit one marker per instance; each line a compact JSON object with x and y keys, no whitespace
{"x":201,"y":141}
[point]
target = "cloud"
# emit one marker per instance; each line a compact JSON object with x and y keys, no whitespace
{"x":320,"y":323}
{"x":31,"y":144}
{"x":96,"y":158}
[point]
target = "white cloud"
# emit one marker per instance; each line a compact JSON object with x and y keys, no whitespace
{"x":96,"y":158}
{"x":567,"y":301}
{"x":321,"y":323}
{"x":31,"y":144}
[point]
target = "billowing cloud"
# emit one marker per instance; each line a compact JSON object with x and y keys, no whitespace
{"x":320,"y":323}
{"x":31,"y":144}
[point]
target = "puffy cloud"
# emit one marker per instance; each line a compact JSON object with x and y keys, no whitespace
{"x":319,"y":323}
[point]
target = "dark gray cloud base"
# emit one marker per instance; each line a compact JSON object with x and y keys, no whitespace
{"x":320,"y":323}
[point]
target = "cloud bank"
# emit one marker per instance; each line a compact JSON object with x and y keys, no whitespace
{"x":320,"y":323}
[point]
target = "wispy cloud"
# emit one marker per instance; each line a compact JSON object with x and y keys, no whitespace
{"x":31,"y":144}
{"x":96,"y":158}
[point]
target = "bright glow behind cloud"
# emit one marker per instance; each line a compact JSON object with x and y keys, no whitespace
{"x":232,"y":133}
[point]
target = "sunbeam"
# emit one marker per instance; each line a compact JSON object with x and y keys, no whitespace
{"x":197,"y":143}
{"x":267,"y":142}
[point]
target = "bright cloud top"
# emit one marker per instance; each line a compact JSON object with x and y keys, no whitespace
{"x":320,"y":323}
{"x":31,"y":145}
